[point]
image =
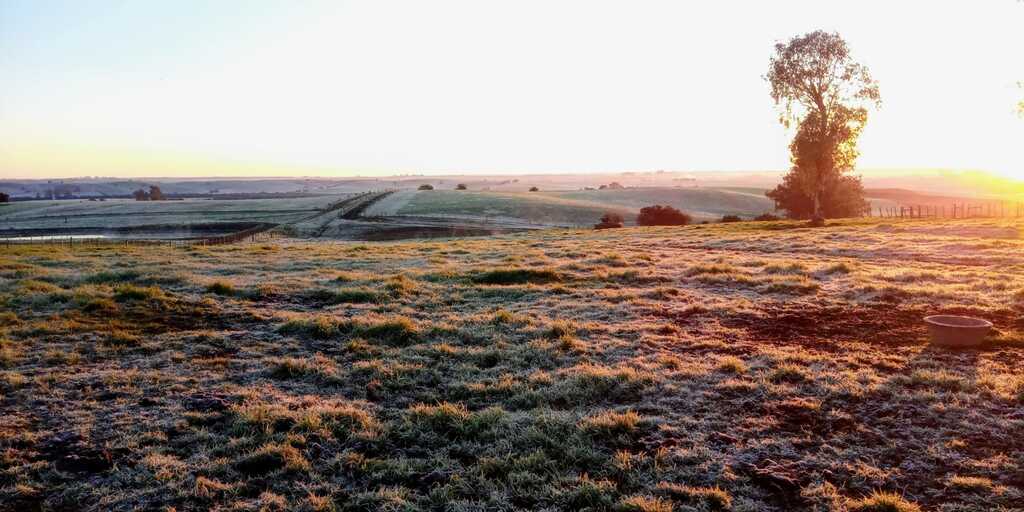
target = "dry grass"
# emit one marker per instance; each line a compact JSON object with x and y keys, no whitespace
{"x":740,"y":366}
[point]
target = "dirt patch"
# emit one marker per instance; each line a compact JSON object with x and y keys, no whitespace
{"x":884,"y":323}
{"x":874,"y":323}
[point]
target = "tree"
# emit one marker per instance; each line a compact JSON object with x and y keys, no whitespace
{"x":845,"y":198}
{"x":534,"y":189}
{"x":819,"y":87}
{"x":141,"y":195}
{"x":658,"y":215}
{"x":155,"y":194}
{"x":610,"y":220}
{"x":4,"y":198}
{"x":461,"y":186}
{"x":426,"y":186}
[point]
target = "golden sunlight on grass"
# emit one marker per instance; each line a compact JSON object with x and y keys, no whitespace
{"x":722,"y":367}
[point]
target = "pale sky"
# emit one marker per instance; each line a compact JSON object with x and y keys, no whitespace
{"x":203,"y":88}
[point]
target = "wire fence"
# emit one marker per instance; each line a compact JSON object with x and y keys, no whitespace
{"x":954,"y":211}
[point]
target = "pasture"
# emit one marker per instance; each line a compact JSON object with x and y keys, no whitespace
{"x":573,"y":208}
{"x":123,"y":213}
{"x":744,"y":367}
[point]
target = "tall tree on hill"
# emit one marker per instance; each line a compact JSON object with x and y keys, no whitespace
{"x":820,"y":88}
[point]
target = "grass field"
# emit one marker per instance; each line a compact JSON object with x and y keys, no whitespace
{"x":119,"y":213}
{"x":581,"y":207}
{"x":744,"y":367}
{"x":702,"y":203}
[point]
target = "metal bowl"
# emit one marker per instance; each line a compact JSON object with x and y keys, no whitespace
{"x":957,"y":331}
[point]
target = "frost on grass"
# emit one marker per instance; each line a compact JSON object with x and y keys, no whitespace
{"x":724,"y":367}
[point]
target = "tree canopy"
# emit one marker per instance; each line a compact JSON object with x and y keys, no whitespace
{"x":659,"y":215}
{"x":610,"y":220}
{"x":820,"y":88}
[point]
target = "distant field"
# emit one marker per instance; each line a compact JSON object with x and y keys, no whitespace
{"x":744,"y":367}
{"x":118,"y":213}
{"x":529,"y":206}
{"x":699,"y":202}
{"x":457,"y":209}
{"x":581,"y":208}
{"x":554,"y":208}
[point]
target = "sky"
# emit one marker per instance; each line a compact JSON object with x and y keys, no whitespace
{"x":336,"y":88}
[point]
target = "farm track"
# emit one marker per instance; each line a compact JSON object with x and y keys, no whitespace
{"x":358,"y":210}
{"x":350,"y":209}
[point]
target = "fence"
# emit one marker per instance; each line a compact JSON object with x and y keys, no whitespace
{"x":256,"y":233}
{"x":955,"y":211}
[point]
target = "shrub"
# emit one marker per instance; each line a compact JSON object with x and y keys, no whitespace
{"x":426,"y":186}
{"x":609,"y":220}
{"x":659,"y":215}
{"x":766,"y":217}
{"x":461,"y":186}
{"x":534,"y":189}
{"x":731,"y":218}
